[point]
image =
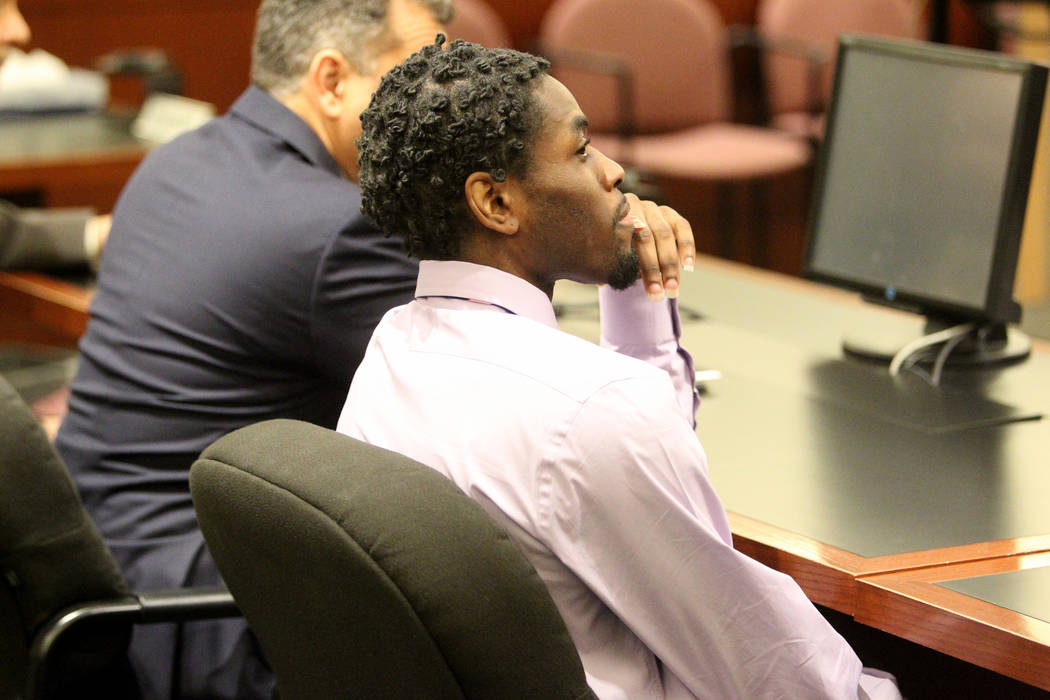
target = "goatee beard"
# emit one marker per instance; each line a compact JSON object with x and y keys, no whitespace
{"x":626,"y":270}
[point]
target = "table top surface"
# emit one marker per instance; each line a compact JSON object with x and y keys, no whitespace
{"x":1025,"y":591}
{"x":795,"y":446}
{"x":832,"y":452}
{"x":58,"y":137}
{"x":991,"y":612}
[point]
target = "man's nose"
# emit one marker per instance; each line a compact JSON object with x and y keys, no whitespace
{"x":612,"y":173}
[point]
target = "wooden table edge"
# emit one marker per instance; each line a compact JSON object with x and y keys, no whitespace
{"x":910,"y":604}
{"x":828,"y":574}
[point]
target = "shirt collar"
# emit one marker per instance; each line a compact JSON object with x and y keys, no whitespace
{"x":464,"y":280}
{"x":264,"y":111}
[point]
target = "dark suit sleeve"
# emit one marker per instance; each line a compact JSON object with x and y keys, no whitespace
{"x":42,"y":238}
{"x":363,"y":275}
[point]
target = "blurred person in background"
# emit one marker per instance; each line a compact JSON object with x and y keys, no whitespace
{"x":43,"y":238}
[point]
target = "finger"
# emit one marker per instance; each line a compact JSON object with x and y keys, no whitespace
{"x":683,"y":232}
{"x":644,"y":244}
{"x":656,"y":240}
{"x":666,"y":243}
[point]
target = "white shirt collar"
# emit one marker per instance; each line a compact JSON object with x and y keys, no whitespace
{"x":464,"y":280}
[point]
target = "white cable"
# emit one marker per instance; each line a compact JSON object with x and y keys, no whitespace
{"x":942,"y":356}
{"x":926,"y":341}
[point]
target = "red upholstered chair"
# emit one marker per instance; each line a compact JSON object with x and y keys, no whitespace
{"x":654,"y":79}
{"x":476,"y":21}
{"x":798,"y":31}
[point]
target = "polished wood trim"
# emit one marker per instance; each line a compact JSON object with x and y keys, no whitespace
{"x":909,"y":604}
{"x":824,"y":573}
{"x":828,"y":574}
{"x":41,"y":310}
{"x":28,"y":168}
{"x":86,"y":180}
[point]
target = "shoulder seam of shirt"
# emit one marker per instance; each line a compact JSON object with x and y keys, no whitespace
{"x":547,"y":461}
{"x":648,"y":372}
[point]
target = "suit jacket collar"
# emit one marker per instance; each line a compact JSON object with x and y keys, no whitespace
{"x":265,"y":112}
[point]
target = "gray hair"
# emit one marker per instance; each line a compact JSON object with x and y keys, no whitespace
{"x":289,"y":33}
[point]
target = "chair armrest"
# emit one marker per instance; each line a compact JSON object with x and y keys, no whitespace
{"x":185,"y":604}
{"x":178,"y":605}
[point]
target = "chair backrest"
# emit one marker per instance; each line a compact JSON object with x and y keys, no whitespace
{"x":476,"y":21}
{"x":51,"y":554}
{"x":366,"y":574}
{"x":820,"y":22}
{"x":675,"y":49}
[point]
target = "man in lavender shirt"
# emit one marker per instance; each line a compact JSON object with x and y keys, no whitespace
{"x":586,"y":455}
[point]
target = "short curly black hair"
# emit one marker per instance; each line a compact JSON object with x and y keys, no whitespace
{"x":435,"y":119}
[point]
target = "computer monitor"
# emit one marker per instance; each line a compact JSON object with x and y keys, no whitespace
{"x":921,"y":188}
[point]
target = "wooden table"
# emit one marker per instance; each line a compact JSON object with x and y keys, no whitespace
{"x":42,"y":310}
{"x":826,"y":481}
{"x":59,"y":160}
{"x":830,"y":489}
{"x":994,"y":613}
{"x":68,"y":160}
{"x":853,"y":502}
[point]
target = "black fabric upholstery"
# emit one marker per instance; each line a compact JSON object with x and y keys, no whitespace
{"x":51,"y":554}
{"x":13,"y":645}
{"x":366,"y":574}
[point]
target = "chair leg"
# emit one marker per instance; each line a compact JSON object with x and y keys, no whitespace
{"x":762,"y":237}
{"x":725,"y":220}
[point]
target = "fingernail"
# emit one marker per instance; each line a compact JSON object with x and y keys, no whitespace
{"x":655,"y":292}
{"x":671,"y":293}
{"x":638,"y":223}
{"x":687,"y":264}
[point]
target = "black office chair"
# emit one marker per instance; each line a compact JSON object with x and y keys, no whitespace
{"x":66,"y":612}
{"x":365,"y":574}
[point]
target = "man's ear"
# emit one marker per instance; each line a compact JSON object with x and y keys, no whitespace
{"x":494,"y":204}
{"x":327,"y":80}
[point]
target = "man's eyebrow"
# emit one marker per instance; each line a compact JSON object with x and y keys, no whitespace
{"x":580,"y":123}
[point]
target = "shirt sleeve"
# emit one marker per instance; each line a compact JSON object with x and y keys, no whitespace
{"x":42,"y":238}
{"x":651,"y":539}
{"x":648,"y":330}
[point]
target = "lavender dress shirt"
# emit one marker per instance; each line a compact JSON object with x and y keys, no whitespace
{"x":586,"y":455}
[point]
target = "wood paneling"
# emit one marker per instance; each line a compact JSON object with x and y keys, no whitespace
{"x":208,"y":40}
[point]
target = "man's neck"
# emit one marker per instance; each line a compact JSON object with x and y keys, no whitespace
{"x":302,"y":105}
{"x":502,"y":257}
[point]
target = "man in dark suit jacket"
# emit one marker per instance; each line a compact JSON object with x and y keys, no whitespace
{"x":240,"y":283}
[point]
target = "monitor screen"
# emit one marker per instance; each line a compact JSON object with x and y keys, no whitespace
{"x":923,"y":176}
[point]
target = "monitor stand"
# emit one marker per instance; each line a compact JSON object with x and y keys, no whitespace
{"x":988,"y":345}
